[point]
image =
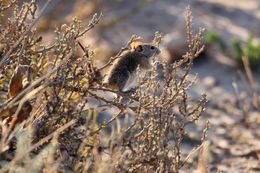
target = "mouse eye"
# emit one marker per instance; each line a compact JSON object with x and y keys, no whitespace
{"x":152,"y":47}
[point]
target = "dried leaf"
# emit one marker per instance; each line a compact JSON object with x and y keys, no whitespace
{"x":16,"y":83}
{"x":22,"y":115}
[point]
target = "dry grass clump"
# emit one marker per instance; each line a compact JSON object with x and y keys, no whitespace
{"x":46,"y":125}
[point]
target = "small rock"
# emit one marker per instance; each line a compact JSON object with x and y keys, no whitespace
{"x":209,"y":81}
{"x":223,"y":143}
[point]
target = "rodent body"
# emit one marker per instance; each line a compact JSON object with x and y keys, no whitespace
{"x":122,"y":71}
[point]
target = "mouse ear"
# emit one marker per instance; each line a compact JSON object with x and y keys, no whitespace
{"x":136,"y":43}
{"x":139,"y":48}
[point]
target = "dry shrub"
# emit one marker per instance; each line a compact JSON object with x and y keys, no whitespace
{"x":251,"y":100}
{"x":58,"y":85}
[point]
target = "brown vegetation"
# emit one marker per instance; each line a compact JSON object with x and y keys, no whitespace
{"x":46,"y":125}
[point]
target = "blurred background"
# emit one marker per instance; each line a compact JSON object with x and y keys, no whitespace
{"x":232,"y":27}
{"x":232,"y":32}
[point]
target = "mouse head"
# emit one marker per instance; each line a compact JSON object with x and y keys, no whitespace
{"x":146,"y":49}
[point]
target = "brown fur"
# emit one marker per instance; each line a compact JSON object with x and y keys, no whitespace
{"x":128,"y":62}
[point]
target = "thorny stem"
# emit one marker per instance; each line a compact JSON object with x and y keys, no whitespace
{"x":93,"y":22}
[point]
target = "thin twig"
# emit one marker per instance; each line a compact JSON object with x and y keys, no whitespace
{"x":126,"y":47}
{"x":11,"y":102}
{"x":252,"y":83}
{"x":18,"y":42}
{"x":47,"y":138}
